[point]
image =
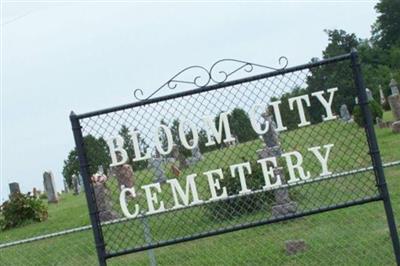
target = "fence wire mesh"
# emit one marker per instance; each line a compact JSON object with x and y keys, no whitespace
{"x":352,"y":236}
{"x":350,"y":152}
{"x":348,"y":236}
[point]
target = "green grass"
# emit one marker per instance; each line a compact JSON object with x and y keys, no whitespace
{"x":351,"y":236}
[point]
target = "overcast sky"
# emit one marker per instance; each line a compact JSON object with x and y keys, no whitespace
{"x":87,"y":56}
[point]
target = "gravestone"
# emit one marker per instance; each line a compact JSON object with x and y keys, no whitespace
{"x":393,"y":87}
{"x":383,"y":124}
{"x":369,"y":95}
{"x":293,"y":247}
{"x":103,"y":198}
{"x":66,"y":189}
{"x":396,"y":127}
{"x":124,"y":175}
{"x":75,"y":184}
{"x":196,"y":154}
{"x":35,"y":193}
{"x":394,"y":102}
{"x":179,"y":156}
{"x":283,"y":205}
{"x":157,"y":164}
{"x":80,"y":182}
{"x":232,"y":143}
{"x":344,"y":113}
{"x":14,"y":188}
{"x":49,"y":187}
{"x":382,"y":96}
{"x":169,"y":160}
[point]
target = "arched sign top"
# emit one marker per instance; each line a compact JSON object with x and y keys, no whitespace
{"x":204,"y":77}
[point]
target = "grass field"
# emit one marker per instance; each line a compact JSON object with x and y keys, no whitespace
{"x":352,"y":236}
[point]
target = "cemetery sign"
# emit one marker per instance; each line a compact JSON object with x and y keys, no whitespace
{"x":229,"y":154}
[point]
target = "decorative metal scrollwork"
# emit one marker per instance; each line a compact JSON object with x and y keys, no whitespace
{"x":211,"y":76}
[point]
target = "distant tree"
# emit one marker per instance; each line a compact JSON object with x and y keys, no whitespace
{"x":202,"y":142}
{"x":386,"y":30}
{"x":376,"y":67}
{"x":71,"y":167}
{"x":163,"y":137}
{"x":333,"y":75}
{"x":289,"y":117}
{"x":96,"y":152}
{"x":128,"y":146}
{"x":240,"y":125}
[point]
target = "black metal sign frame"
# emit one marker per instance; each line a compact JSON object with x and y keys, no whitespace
{"x":377,"y":168}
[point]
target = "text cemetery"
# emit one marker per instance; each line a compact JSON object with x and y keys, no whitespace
{"x":242,"y":170}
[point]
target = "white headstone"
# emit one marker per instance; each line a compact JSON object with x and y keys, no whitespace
{"x":344,"y":113}
{"x":157,"y":164}
{"x":369,"y":95}
{"x":196,"y":154}
{"x":393,"y":87}
{"x":382,"y":95}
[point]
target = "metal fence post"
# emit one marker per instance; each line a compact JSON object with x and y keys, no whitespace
{"x":149,"y":240}
{"x":83,"y":163}
{"x":375,"y":154}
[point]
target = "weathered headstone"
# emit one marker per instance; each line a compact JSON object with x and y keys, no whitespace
{"x":49,"y":186}
{"x":394,"y":102}
{"x":14,"y":188}
{"x":393,"y":87}
{"x":179,"y":156}
{"x":80,"y":181}
{"x":232,"y":143}
{"x":157,"y":164}
{"x":283,"y":205}
{"x":103,"y":201}
{"x":382,"y":96}
{"x":75,"y":184}
{"x":396,"y":127}
{"x":344,"y":113}
{"x":124,"y":175}
{"x":196,"y":154}
{"x":369,"y":95}
{"x":293,"y":247}
{"x":35,"y":193}
{"x":66,"y":189}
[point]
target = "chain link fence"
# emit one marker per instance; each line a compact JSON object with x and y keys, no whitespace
{"x":353,"y":236}
{"x":195,"y":208}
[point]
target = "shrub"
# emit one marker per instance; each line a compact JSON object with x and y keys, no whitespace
{"x":376,"y":111}
{"x":20,"y":209}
